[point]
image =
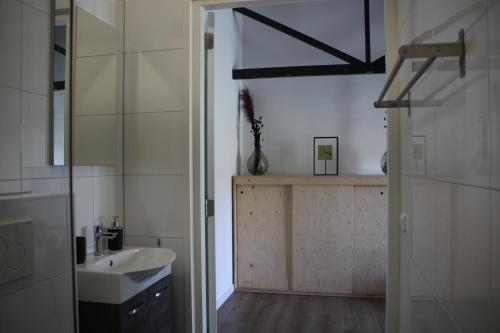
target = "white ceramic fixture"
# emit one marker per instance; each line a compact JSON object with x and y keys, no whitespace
{"x":117,"y":276}
{"x":16,"y":250}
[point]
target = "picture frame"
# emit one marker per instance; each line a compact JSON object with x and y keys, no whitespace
{"x":326,"y":156}
{"x":419,"y":153}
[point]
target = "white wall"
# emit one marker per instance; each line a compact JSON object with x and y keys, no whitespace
{"x":156,"y":134}
{"x":98,"y":190}
{"x":450,"y":261}
{"x":226,"y":57}
{"x":295,"y":110}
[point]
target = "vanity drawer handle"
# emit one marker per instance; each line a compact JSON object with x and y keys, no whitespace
{"x":158,"y":293}
{"x":135,"y":310}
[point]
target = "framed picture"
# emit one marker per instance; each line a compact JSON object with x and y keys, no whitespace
{"x":326,"y":156}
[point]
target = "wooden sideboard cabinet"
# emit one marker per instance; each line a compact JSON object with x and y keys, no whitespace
{"x":324,"y":235}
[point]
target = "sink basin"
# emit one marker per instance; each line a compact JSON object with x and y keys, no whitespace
{"x":117,"y":276}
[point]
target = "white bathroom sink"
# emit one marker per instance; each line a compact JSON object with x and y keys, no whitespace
{"x":117,"y":276}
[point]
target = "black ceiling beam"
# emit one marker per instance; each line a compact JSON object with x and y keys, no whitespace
{"x":298,"y":35}
{"x":368,"y":47}
{"x":60,"y":49}
{"x":379,"y":62}
{"x":376,"y":67}
{"x":59,"y":85}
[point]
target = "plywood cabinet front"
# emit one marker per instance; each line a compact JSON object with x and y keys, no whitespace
{"x":322,"y":239}
{"x":370,"y":240}
{"x":295,"y":235}
{"x":263,"y":221}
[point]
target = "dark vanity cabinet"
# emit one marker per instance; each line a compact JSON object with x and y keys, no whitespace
{"x":150,"y":311}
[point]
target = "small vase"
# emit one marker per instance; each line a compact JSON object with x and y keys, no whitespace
{"x":383,"y":163}
{"x":257,"y":162}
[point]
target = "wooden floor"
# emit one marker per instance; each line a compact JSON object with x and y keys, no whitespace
{"x":247,"y":312}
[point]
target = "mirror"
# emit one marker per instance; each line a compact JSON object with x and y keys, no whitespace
{"x":96,"y":68}
{"x":97,"y":73}
{"x":60,"y":56}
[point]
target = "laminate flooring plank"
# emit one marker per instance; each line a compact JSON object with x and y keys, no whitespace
{"x":247,"y":312}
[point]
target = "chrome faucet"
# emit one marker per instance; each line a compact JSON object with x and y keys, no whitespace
{"x":99,"y":235}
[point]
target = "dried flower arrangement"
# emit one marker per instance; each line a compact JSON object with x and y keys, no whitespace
{"x":247,"y":105}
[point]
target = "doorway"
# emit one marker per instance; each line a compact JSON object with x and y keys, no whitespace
{"x":206,"y":250}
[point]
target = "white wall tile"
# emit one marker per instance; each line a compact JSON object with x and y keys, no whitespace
{"x":422,"y":227}
{"x":95,"y":139}
{"x":41,"y":308}
{"x":35,"y":130}
{"x":36,"y":51}
{"x":10,"y":186}
{"x":495,"y":261}
{"x":43,"y":5}
{"x":165,"y":28}
{"x":35,"y":139}
{"x":96,"y":85}
{"x":93,"y":36}
{"x":155,"y":206}
{"x":462,"y":254}
{"x":154,"y":81}
{"x":112,"y":12}
{"x":462,"y":122}
{"x":449,"y":16}
{"x":440,"y":21}
{"x":155,"y":143}
{"x":49,"y":185}
{"x":427,"y":313}
{"x":87,"y":5}
{"x":10,"y":133}
{"x":50,"y":236}
{"x":494,"y":56}
{"x":108,"y":199}
{"x":10,"y":39}
{"x":83,"y":194}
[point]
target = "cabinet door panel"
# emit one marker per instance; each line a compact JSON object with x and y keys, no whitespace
{"x":262,"y":215}
{"x":160,"y":307}
{"x":134,"y":314}
{"x":370,"y":240}
{"x":322,"y":238}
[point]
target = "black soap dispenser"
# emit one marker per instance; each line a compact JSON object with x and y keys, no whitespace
{"x":115,"y":244}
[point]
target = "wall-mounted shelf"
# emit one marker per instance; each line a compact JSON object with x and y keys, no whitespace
{"x":429,"y":51}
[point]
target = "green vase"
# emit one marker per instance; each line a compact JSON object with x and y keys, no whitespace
{"x":257,"y":162}
{"x":383,"y":163}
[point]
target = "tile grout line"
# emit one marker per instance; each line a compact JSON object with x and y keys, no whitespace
{"x":21,"y":101}
{"x":436,"y":180}
{"x":123,"y":45}
{"x":152,"y":51}
{"x":491,"y":167}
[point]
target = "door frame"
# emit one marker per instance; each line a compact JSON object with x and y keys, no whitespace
{"x":197,"y":302}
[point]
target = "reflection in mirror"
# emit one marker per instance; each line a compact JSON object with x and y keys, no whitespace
{"x":61,"y":56}
{"x":97,"y":74}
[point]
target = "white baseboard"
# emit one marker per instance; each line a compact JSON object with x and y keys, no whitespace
{"x":221,"y":300}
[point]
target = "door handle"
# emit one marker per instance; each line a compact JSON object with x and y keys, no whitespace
{"x":159,"y":293}
{"x":135,"y":310}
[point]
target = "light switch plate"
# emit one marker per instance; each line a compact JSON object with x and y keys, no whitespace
{"x":16,"y":250}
